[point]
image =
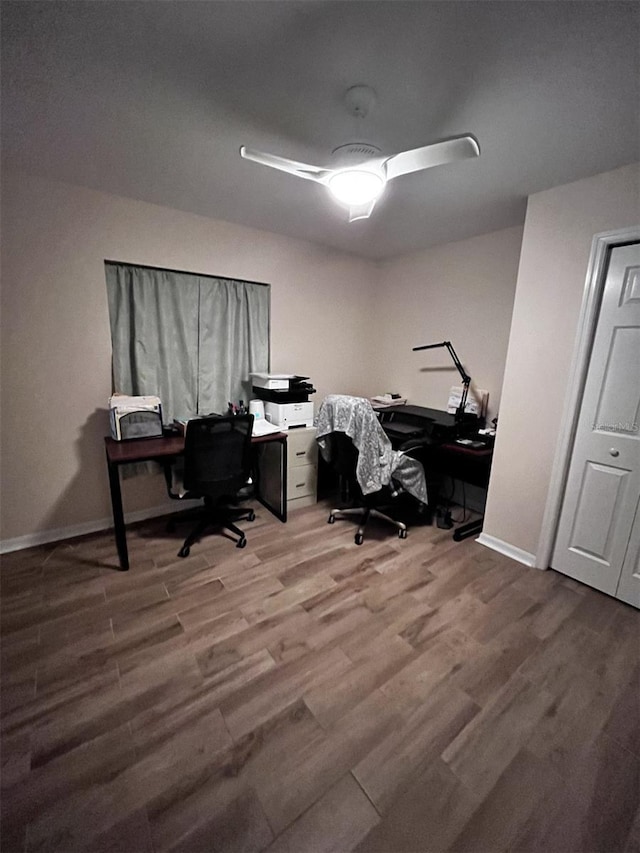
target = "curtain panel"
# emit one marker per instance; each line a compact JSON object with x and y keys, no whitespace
{"x":192,"y":340}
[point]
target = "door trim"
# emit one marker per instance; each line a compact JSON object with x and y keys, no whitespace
{"x":587,"y":322}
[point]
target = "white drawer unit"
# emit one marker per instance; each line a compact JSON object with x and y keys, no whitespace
{"x":302,"y":467}
{"x":302,"y":448}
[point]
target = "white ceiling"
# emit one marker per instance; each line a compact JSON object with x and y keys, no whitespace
{"x":153,"y":99}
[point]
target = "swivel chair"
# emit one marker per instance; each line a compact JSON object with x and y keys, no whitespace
{"x":217,"y":465}
{"x":343,"y":456}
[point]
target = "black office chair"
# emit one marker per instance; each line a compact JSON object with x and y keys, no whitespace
{"x":217,"y":466}
{"x":343,"y":458}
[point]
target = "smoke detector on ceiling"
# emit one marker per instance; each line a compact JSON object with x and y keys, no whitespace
{"x":360,"y":100}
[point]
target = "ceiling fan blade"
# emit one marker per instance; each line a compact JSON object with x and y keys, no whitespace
{"x":361,"y":211}
{"x":457,"y":148}
{"x":293,"y":167}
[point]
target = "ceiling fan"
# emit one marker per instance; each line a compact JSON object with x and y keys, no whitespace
{"x":361,"y":172}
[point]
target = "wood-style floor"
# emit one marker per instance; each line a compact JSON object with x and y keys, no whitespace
{"x":309,"y":695}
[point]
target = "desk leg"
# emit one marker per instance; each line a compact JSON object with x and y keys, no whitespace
{"x":285,"y":469}
{"x":469,"y":529}
{"x":118,"y":515}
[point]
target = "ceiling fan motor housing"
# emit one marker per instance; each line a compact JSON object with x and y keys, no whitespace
{"x":354,"y":153}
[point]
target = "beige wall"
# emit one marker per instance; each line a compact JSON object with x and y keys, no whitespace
{"x":462,"y":292}
{"x":347,"y":323}
{"x":56,"y":348}
{"x":558,"y":233}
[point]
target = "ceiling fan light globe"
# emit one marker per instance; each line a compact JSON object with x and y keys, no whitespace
{"x":356,"y":186}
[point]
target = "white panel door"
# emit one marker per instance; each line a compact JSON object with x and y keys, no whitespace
{"x":603,"y":484}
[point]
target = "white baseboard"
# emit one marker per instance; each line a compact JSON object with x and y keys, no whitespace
{"x":43,"y":537}
{"x":508,"y":550}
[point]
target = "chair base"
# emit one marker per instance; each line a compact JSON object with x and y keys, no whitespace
{"x":220,"y":517}
{"x":364,"y":513}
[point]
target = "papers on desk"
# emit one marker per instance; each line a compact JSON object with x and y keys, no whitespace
{"x":262,"y":427}
{"x":384,"y":400}
{"x":273,"y":381}
{"x":476,"y":404}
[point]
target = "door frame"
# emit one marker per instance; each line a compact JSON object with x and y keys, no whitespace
{"x":601,"y":247}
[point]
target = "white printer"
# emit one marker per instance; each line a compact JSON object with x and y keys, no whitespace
{"x":286,"y":398}
{"x":287,"y":415}
{"x":135,"y":417}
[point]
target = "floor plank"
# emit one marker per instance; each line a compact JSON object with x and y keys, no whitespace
{"x":337,"y":821}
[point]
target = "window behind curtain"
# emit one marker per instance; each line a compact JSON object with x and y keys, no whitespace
{"x":191,"y":339}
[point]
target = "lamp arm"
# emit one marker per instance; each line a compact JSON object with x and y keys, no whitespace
{"x":466,"y":379}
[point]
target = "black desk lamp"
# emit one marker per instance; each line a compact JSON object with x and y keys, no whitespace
{"x":466,"y":379}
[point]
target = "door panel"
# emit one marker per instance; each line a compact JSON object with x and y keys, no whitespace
{"x":603,"y":483}
{"x":620,"y":391}
{"x":629,"y":585}
{"x":600,"y":498}
{"x":631,"y":285}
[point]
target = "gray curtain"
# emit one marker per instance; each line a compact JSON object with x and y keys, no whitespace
{"x":192,"y":340}
{"x":234,"y":341}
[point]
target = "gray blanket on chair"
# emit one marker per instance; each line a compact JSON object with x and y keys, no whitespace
{"x":378,"y":464}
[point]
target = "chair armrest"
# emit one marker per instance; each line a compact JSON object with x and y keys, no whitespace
{"x":415,"y":444}
{"x":396,"y":488}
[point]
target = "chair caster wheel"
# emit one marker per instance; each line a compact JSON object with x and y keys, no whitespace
{"x":251,"y":516}
{"x":402,"y":534}
{"x":331,"y":520}
{"x":359,"y":539}
{"x":241,"y":542}
{"x":184,"y":551}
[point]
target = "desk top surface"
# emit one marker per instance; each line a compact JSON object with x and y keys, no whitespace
{"x":417,"y":412}
{"x":142,"y":449}
{"x":473,"y":452}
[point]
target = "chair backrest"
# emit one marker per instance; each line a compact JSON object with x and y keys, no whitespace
{"x":217,"y":454}
{"x":355,"y":417}
{"x":343,"y":455}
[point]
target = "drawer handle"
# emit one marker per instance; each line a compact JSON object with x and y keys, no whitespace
{"x":299,"y":485}
{"x":301,"y":452}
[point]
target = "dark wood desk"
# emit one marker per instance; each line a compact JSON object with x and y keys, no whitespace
{"x":431,"y":435}
{"x":459,"y":462}
{"x":471,"y":465}
{"x":164,"y":449}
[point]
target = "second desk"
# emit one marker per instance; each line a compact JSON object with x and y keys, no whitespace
{"x":270,"y":467}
